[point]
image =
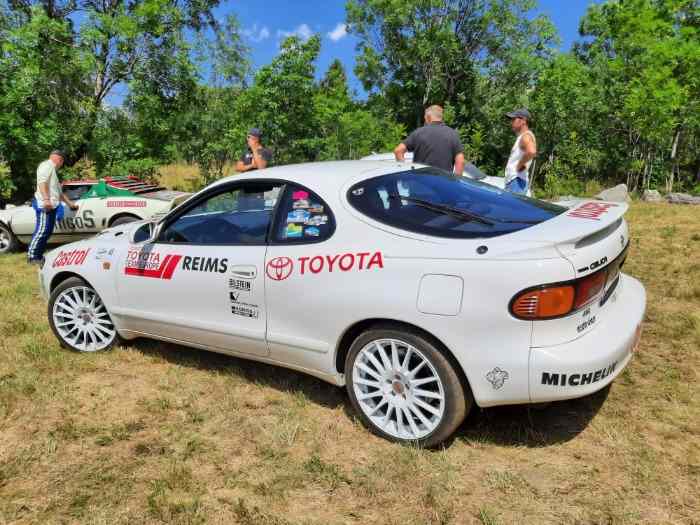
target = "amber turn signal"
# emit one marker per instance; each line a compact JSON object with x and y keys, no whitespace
{"x":544,"y":303}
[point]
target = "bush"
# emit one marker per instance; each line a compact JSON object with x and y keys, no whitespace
{"x":145,"y":169}
{"x":6,"y":184}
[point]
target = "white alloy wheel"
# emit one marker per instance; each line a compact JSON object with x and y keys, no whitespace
{"x":80,"y":319}
{"x":398,"y":389}
{"x":8,"y":242}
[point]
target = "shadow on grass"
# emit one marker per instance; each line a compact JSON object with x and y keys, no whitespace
{"x":515,"y":425}
{"x":531,"y":425}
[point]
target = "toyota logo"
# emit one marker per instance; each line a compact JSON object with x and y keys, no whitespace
{"x":279,"y":268}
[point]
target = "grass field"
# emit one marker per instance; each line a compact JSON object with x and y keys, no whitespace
{"x":155,"y":433}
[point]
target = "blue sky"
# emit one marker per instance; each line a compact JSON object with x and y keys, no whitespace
{"x":266,"y":22}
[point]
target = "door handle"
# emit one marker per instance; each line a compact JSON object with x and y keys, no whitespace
{"x":245,"y":272}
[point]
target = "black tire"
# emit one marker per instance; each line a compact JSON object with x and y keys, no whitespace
{"x":457,"y":400}
{"x":126,"y":219}
{"x":8,"y":242}
{"x":58,"y":316}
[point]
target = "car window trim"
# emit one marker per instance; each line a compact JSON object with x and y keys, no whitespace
{"x":212,"y":192}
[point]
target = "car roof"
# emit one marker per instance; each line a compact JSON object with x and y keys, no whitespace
{"x":328,"y":175}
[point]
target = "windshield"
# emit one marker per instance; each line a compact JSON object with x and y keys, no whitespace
{"x":435,"y":202}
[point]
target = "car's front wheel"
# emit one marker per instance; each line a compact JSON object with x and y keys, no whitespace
{"x":79,"y":318}
{"x":8,"y":241}
{"x":404,"y":387}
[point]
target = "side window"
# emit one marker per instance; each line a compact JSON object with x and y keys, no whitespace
{"x":239,"y":215}
{"x":74,"y":191}
{"x":303,"y":217}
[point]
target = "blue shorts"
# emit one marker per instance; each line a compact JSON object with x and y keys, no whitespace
{"x":517,"y":185}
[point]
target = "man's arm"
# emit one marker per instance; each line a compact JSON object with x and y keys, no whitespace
{"x":240,"y":167}
{"x":459,"y":163}
{"x":259,"y":161}
{"x":72,"y":205}
{"x":400,"y":151}
{"x":45,"y":203}
{"x":529,"y":149}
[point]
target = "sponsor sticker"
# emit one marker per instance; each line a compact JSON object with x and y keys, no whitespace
{"x":104,"y":254}
{"x":312,"y":231}
{"x":280,"y":268}
{"x":317,"y":220}
{"x":591,"y":210}
{"x":71,"y":258}
{"x":298,"y":195}
{"x":577,"y":379}
{"x":298,"y":216}
{"x":126,"y":204}
{"x":316,"y":208}
{"x":301,"y":203}
{"x":293,"y":231}
{"x":245,"y":310}
{"x":143,"y":263}
{"x":497,"y":378}
{"x":241,"y":285}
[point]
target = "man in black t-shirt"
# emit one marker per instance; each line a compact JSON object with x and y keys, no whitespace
{"x":435,"y":144}
{"x":257,"y":156}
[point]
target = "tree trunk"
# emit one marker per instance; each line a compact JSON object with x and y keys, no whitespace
{"x":674,"y":161}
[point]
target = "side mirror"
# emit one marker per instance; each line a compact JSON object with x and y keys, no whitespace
{"x":147,"y":233}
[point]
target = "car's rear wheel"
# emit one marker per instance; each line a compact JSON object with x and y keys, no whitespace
{"x":79,"y":318}
{"x":8,"y":241}
{"x":404,"y":388}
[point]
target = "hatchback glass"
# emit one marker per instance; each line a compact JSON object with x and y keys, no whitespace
{"x":434,"y":202}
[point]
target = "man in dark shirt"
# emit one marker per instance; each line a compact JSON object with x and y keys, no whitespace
{"x":257,"y":156}
{"x":435,"y":144}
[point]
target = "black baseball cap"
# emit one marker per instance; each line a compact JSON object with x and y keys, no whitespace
{"x":255,"y":132}
{"x":519,"y":113}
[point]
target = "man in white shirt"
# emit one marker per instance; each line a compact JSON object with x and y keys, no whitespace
{"x":522,"y":153}
{"x":46,"y":201}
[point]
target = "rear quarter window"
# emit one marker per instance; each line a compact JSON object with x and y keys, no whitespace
{"x":434,"y":202}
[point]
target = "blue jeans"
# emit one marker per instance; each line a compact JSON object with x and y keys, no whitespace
{"x":517,"y":185}
{"x":45,"y":222}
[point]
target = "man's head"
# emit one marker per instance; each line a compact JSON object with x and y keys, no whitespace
{"x":519,"y":120}
{"x":254,"y":135}
{"x":57,"y":157}
{"x":433,"y":114}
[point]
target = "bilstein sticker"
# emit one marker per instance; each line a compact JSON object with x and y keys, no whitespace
{"x":551,"y":379}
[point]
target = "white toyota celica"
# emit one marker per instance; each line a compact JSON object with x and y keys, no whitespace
{"x":419,"y":291}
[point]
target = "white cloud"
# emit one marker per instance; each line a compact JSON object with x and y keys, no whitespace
{"x":340,"y":32}
{"x":256,"y":34}
{"x":303,"y":31}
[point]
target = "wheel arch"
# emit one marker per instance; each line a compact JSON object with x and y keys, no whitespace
{"x":353,"y":331}
{"x":121,"y":215}
{"x":63,"y":276}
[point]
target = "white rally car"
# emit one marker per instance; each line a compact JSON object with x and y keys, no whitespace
{"x":122,"y":200}
{"x":420,"y":291}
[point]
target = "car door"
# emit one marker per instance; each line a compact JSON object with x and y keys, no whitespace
{"x":202,"y":281}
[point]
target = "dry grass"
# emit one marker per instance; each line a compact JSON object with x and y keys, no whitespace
{"x":185,"y":177}
{"x":154,"y":433}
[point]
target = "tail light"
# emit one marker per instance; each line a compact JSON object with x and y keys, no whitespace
{"x":550,"y":301}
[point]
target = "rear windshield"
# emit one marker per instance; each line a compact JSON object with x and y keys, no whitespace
{"x":434,"y":202}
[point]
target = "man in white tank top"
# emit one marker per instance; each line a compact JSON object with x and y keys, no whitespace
{"x":524,"y":150}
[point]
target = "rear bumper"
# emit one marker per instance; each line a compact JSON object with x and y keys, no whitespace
{"x":589,"y":363}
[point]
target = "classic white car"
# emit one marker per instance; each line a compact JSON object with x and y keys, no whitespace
{"x":419,"y":291}
{"x":101,"y":204}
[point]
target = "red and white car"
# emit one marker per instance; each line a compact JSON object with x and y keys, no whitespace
{"x":420,"y":292}
{"x":137,"y":201}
